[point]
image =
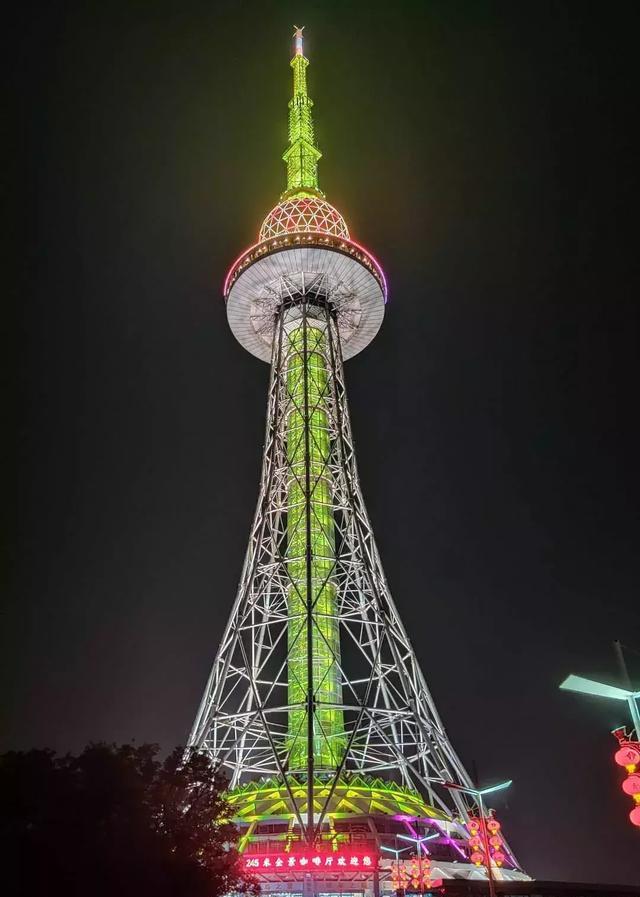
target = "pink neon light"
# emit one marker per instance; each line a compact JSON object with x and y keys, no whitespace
{"x":375,"y":262}
{"x":335,"y":861}
{"x":231,"y":269}
{"x":349,"y":242}
{"x":449,"y":840}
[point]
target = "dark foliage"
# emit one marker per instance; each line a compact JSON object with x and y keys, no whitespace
{"x":116,"y":820}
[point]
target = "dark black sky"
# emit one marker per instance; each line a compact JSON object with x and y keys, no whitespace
{"x":483,"y":151}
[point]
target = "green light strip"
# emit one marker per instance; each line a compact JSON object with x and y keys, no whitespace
{"x":356,"y":796}
{"x":329,"y":738}
{"x":302,"y":154}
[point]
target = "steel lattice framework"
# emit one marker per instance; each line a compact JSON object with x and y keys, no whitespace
{"x":381,"y":718}
{"x":316,"y":696}
{"x":303,"y":215}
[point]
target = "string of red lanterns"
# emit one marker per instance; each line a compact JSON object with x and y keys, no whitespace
{"x":413,"y":875}
{"x":420,"y":871}
{"x":399,"y":877}
{"x":628,"y":756}
{"x":479,"y":840}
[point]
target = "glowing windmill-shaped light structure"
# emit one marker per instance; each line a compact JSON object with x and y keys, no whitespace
{"x":316,"y":706}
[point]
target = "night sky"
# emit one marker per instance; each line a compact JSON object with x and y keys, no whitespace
{"x":483,"y":151}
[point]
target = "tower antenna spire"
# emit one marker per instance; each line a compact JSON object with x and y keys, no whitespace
{"x":302,"y":155}
{"x":297,"y":33}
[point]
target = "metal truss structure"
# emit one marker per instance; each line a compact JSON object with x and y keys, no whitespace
{"x":309,"y":215}
{"x":366,"y":707}
{"x":316,"y":706}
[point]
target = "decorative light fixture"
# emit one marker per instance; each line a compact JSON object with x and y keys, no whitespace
{"x":628,"y":756}
{"x":480,"y":840}
{"x":628,"y":753}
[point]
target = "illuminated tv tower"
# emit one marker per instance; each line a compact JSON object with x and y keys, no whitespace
{"x":339,"y":766}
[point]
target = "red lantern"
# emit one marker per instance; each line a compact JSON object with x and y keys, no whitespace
{"x":631,"y":785}
{"x":628,"y":756}
{"x":481,"y":829}
{"x":634,"y":816}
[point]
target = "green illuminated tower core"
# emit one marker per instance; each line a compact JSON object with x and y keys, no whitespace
{"x":313,"y":636}
{"x":311,"y":556}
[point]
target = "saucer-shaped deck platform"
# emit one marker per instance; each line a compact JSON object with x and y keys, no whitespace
{"x":352,"y":279}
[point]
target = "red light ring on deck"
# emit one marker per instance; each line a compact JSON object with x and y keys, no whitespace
{"x":294,"y":241}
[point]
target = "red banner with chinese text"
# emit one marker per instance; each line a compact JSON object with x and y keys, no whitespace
{"x":311,"y":861}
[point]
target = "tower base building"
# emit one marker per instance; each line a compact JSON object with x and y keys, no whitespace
{"x":342,"y":777}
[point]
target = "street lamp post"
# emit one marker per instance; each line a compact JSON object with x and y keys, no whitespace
{"x":479,"y":793}
{"x":603,"y":690}
{"x":419,"y":842}
{"x":625,"y":742}
{"x":396,"y":854}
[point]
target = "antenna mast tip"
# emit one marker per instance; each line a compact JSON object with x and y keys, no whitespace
{"x":297,"y":33}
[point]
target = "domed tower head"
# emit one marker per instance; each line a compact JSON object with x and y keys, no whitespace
{"x":304,"y":239}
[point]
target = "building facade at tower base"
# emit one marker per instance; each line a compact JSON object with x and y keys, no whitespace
{"x":377,"y":839}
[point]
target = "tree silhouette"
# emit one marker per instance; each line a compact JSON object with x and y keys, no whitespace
{"x":116,"y":821}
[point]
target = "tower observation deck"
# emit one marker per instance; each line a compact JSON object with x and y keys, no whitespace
{"x":342,"y":777}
